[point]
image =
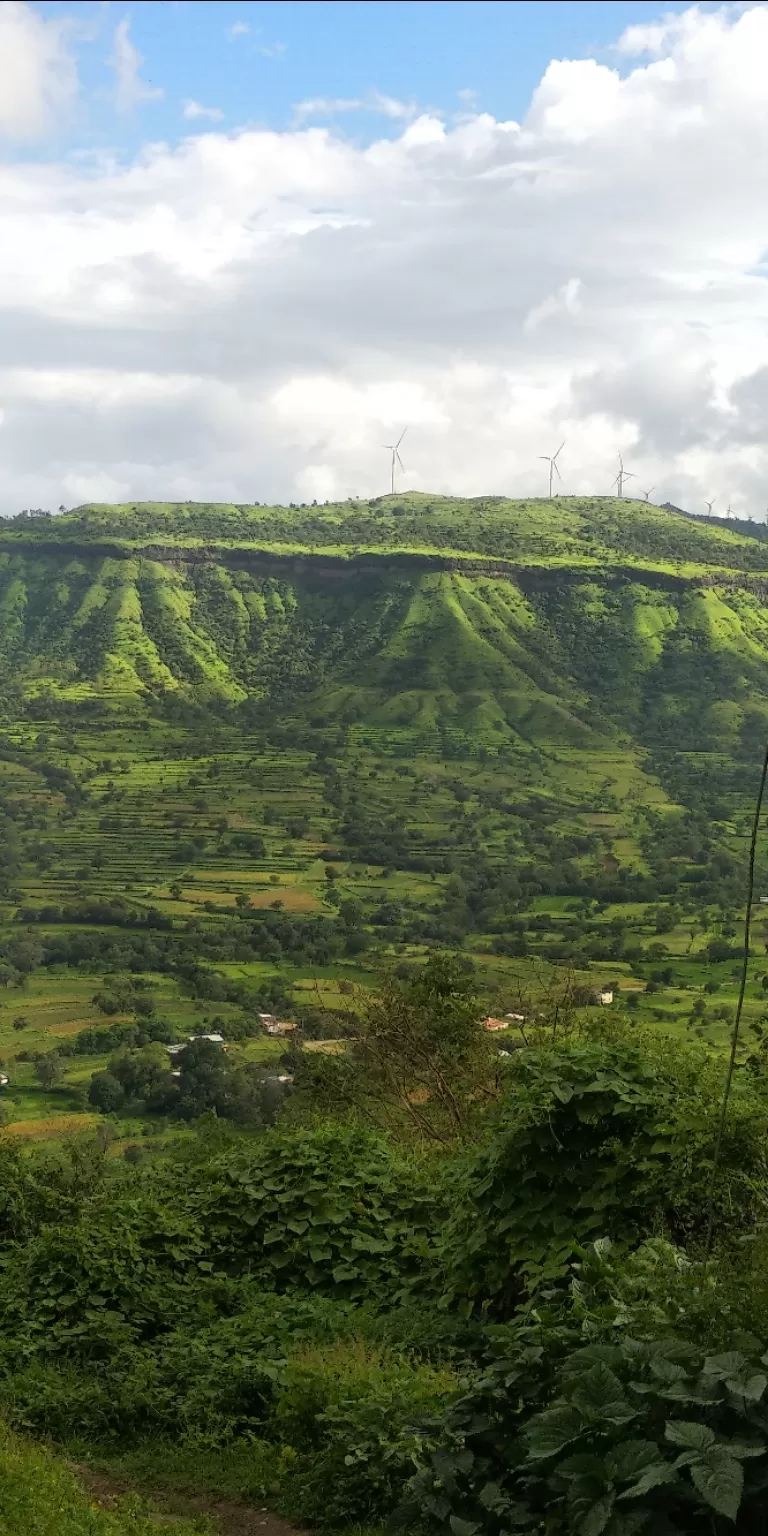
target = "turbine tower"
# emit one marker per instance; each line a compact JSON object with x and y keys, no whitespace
{"x":551,"y":460}
{"x":624,"y":474}
{"x":709,"y":505}
{"x":394,"y":450}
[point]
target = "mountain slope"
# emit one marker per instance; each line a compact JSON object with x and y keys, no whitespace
{"x":570,"y":622}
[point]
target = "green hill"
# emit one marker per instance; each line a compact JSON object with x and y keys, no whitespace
{"x":567,"y":622}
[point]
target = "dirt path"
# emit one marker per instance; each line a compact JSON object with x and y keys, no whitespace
{"x":230,"y":1516}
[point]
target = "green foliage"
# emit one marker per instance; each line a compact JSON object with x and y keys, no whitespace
{"x":418,"y":1062}
{"x":603,"y":1406}
{"x":597,"y":1139}
{"x":351,"y":1414}
{"x":333,"y":1208}
{"x":613,"y":1436}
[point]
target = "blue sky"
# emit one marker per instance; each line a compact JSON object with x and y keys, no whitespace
{"x":512,"y":226}
{"x":254,"y":62}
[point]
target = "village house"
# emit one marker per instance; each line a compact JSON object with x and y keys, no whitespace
{"x":175,"y":1050}
{"x":493,"y":1024}
{"x":605,"y":995}
{"x":280,"y":1027}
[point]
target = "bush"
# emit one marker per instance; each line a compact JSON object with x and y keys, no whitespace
{"x":599,"y":1414}
{"x":596,"y":1139}
{"x":333,"y":1209}
{"x":352,"y":1414}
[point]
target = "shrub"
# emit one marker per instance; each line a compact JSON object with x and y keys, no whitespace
{"x":600,"y":1414}
{"x":598,"y":1139}
{"x":333,"y":1209}
{"x":351,"y":1412}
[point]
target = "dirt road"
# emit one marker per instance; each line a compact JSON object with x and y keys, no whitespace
{"x":229,"y":1517}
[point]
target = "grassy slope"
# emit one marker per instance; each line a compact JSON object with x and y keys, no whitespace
{"x":40,"y":1496}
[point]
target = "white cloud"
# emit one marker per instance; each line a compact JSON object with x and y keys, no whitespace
{"x":238,"y":29}
{"x":333,"y":106}
{"x":38,"y":73}
{"x":126,"y":61}
{"x":566,"y":301}
{"x":195,"y":109}
{"x":253,"y":314}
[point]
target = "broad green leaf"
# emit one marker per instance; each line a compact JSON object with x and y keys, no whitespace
{"x":743,"y":1451}
{"x":584,"y":1466}
{"x":550,"y":1432}
{"x":463,"y":1527}
{"x":694,"y":1437}
{"x":659,"y":1472}
{"x":750,"y":1387}
{"x":720,"y":1480}
{"x":596,"y":1519}
{"x":730,"y":1363}
{"x":631,"y":1458}
{"x":601,"y":1395}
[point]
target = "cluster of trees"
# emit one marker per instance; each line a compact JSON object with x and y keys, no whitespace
{"x":202,"y":1080}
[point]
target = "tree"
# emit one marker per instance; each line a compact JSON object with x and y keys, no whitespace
{"x":49,"y":1070}
{"x":106,"y":1093}
{"x":418,"y":1058}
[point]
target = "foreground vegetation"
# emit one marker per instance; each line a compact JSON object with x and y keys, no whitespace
{"x":503,"y":1319}
{"x":374,"y":773}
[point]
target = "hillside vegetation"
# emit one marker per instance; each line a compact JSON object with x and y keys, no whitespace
{"x":292,"y":799}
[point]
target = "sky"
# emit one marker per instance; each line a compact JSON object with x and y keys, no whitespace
{"x":243,"y":246}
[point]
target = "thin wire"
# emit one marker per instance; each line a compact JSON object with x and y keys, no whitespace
{"x":739,"y":1007}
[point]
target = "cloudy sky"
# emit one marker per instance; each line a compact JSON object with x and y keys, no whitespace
{"x":242,"y":246}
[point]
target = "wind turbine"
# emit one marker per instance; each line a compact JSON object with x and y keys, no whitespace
{"x":709,"y":505}
{"x":729,"y":512}
{"x":624,"y":474}
{"x":551,"y":460}
{"x":394,"y":450}
{"x":648,"y":492}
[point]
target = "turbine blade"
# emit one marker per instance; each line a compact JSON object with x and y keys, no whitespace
{"x":560,"y":449}
{"x":402,"y":435}
{"x":400,"y":462}
{"x":555,"y":468}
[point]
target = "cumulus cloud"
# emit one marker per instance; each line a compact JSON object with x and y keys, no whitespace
{"x":126,"y":61}
{"x":38,"y":73}
{"x":252,"y":315}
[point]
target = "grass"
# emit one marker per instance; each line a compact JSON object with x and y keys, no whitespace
{"x":39,"y":1495}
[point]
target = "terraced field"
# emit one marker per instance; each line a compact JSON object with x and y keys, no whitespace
{"x":249,"y":756}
